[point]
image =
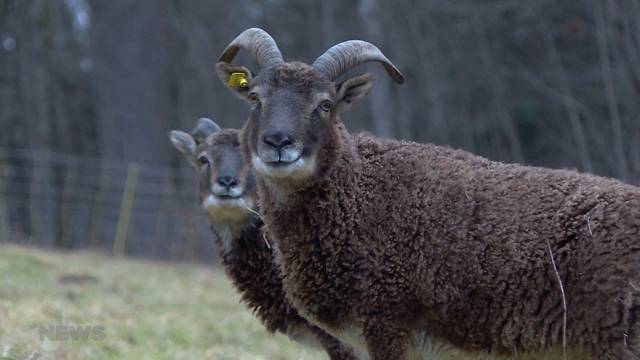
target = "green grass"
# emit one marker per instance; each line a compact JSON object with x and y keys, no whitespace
{"x":149,"y":310}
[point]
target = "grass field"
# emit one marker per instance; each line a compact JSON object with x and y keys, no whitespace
{"x":142,"y":310}
{"x":146,"y":310}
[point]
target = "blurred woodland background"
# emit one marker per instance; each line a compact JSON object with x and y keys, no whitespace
{"x":90,"y":88}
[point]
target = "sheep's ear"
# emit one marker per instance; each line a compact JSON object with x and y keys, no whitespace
{"x":236,"y":78}
{"x":185,"y":144}
{"x":204,"y":127}
{"x":352,"y":90}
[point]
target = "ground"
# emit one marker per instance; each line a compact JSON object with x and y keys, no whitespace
{"x":131,"y":309}
{"x":134,"y":309}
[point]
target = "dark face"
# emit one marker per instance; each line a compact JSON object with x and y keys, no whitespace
{"x":292,"y":132}
{"x":292,"y":108}
{"x":225,"y":182}
{"x":226,"y":186}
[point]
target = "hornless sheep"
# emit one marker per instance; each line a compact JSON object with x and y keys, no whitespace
{"x":379,"y":238}
{"x":226,"y":190}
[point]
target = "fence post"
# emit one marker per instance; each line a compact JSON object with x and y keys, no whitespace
{"x":126,"y":204}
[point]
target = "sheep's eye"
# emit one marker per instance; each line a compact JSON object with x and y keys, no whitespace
{"x":203,"y":160}
{"x":253,"y":97}
{"x":326,"y":106}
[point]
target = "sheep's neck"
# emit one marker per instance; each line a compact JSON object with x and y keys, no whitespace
{"x":229,"y":233}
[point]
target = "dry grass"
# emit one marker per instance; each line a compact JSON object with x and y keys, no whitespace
{"x":150,"y":310}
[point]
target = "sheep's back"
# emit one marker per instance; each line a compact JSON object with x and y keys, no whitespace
{"x":476,"y":236}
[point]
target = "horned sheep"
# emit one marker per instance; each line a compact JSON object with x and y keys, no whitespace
{"x":379,"y":239}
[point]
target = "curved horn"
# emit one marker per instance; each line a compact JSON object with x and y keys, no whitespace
{"x":259,"y":43}
{"x":204,"y":127}
{"x":348,"y":54}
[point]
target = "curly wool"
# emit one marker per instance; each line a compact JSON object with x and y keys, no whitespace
{"x":400,"y":235}
{"x":249,"y":264}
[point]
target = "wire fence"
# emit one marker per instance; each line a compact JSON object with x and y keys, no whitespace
{"x":67,"y":201}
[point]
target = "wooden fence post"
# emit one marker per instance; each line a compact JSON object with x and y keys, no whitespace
{"x":126,"y":204}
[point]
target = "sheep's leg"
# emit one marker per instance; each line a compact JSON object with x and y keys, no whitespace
{"x":335,"y":350}
{"x":386,"y":341}
{"x":340,"y":353}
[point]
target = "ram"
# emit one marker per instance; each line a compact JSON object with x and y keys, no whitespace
{"x":381,"y":239}
{"x":226,"y":191}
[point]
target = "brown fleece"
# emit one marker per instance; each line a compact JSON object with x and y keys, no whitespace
{"x":250,"y":267}
{"x":392,"y":235}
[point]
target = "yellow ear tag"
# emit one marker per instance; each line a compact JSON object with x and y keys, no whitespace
{"x":238,"y":79}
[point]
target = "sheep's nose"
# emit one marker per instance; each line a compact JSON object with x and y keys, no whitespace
{"x":227,"y":181}
{"x":278,"y":140}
